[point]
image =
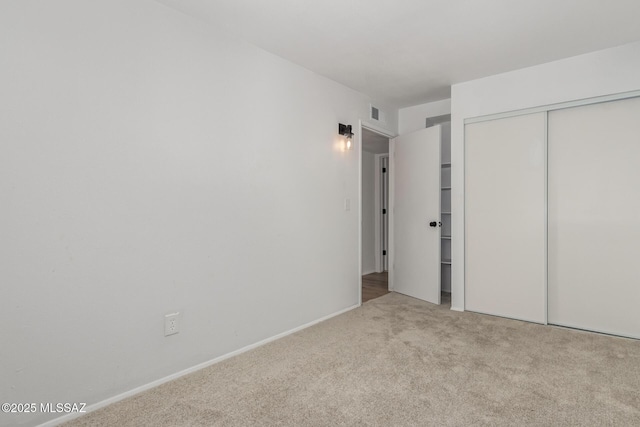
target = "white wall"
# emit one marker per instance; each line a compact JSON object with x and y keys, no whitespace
{"x":150,"y":164}
{"x":410,"y":119}
{"x":368,"y":213}
{"x":599,"y":73}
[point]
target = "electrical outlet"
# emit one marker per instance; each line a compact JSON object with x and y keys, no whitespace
{"x":171,"y":323}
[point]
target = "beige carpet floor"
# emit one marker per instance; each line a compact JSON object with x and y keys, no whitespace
{"x":397,"y":361}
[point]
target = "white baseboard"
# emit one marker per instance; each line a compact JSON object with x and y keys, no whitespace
{"x":364,"y":273}
{"x":187,"y":371}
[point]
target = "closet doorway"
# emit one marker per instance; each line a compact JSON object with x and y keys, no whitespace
{"x":375,"y":222}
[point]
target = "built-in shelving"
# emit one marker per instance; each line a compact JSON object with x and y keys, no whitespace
{"x":445,"y":209}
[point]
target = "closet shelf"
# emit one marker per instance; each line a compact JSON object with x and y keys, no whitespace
{"x":446,"y":165}
{"x":446,"y":237}
{"x":445,"y":213}
{"x":446,"y":188}
{"x":446,"y":261}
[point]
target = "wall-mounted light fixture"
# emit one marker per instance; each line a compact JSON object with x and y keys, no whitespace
{"x":345,"y":130}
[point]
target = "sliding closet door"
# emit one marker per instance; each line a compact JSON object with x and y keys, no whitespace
{"x":505,"y":217}
{"x":594,"y":217}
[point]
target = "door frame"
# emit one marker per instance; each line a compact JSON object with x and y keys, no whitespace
{"x":366,"y":124}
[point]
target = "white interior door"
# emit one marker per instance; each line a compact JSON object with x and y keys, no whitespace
{"x":594,"y":217}
{"x":505,"y":217}
{"x":415,"y":203}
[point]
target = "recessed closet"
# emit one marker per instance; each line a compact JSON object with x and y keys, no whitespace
{"x":552,"y":215}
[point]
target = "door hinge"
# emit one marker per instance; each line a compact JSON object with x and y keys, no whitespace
{"x":384,"y":211}
{"x":384,"y":170}
{"x":384,"y":252}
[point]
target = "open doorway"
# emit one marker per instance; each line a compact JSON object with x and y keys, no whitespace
{"x":375,"y":222}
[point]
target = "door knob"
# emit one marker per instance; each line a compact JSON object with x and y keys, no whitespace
{"x":433,"y":224}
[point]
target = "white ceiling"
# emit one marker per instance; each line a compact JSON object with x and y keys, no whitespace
{"x":407,"y":52}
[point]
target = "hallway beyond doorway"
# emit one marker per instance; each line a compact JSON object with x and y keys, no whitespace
{"x":374,"y":285}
